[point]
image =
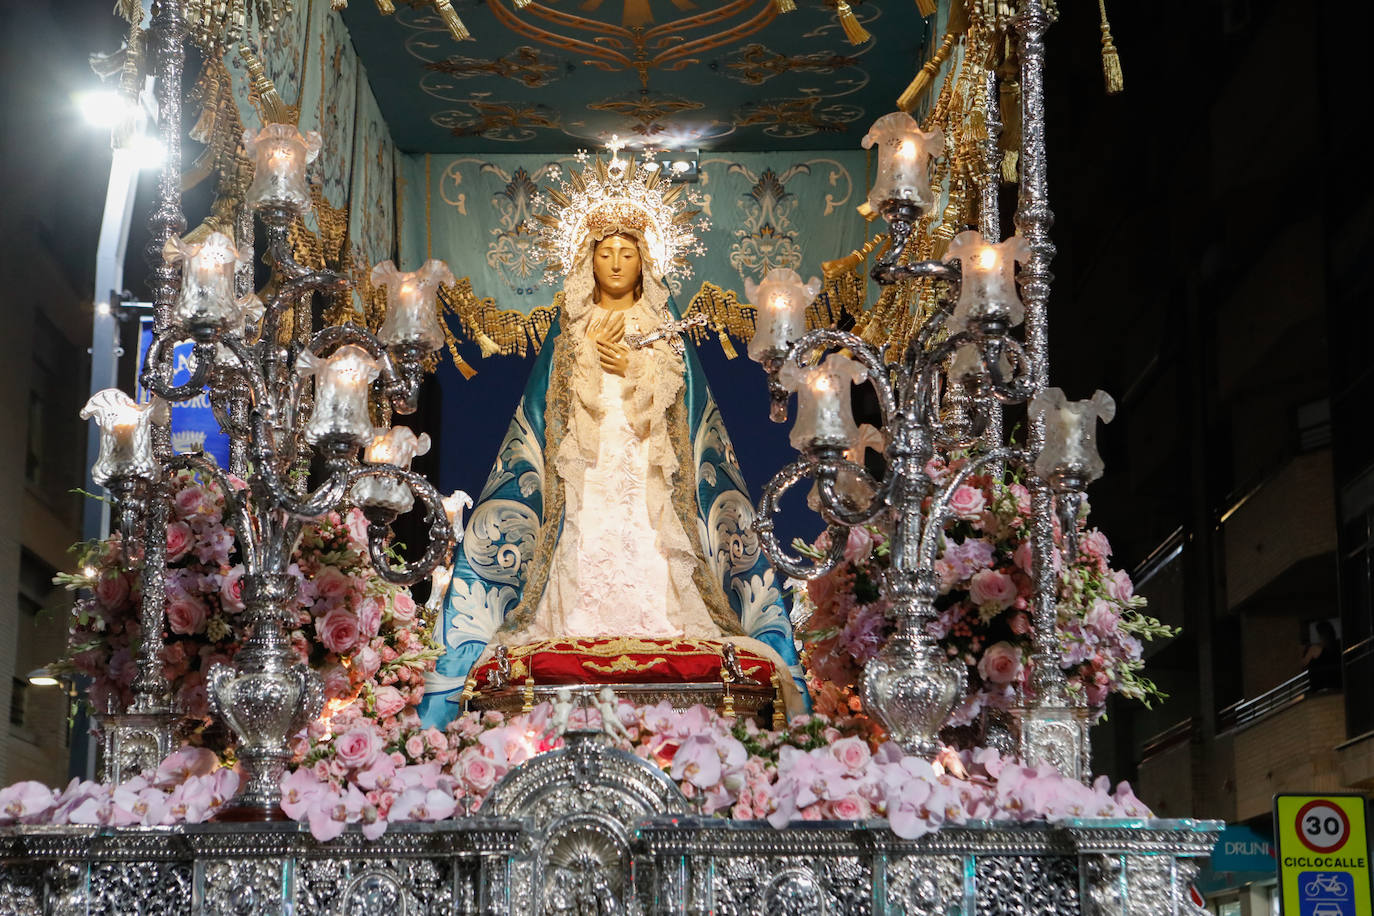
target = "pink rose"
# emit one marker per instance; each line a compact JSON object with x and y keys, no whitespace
{"x":415,"y":747}
{"x":330,"y":582}
{"x":859,"y":546}
{"x":1023,"y":498}
{"x":186,"y":615}
{"x":188,"y":501}
{"x":1000,"y":664}
{"x":366,"y":662}
{"x":1103,"y":618}
{"x":1024,"y":557}
{"x":852,"y":753}
{"x":387,"y":701}
{"x":1119,"y":585}
{"x":356,"y":523}
{"x":403,"y":608}
{"x":967,"y":503}
{"x":369,"y":618}
{"x":336,"y":683}
{"x":851,"y":808}
{"x":112,"y":589}
{"x":476,"y":770}
{"x":231,"y":589}
{"x":990,"y":587}
{"x":357,"y":747}
{"x":435,"y":739}
{"x":179,"y":540}
{"x":1095,"y":545}
{"x":338,"y":630}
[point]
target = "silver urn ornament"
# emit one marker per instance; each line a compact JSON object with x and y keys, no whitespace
{"x":911,"y":688}
{"x":266,"y":696}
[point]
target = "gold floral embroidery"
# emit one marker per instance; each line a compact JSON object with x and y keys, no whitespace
{"x":623,"y":663}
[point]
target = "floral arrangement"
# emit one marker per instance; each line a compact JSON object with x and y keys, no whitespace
{"x":811,"y":771}
{"x":363,"y":634}
{"x":984,"y":569}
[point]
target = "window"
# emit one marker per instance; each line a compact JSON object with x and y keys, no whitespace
{"x":17,"y":698}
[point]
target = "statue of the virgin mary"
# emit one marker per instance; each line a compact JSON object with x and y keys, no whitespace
{"x":615,"y":507}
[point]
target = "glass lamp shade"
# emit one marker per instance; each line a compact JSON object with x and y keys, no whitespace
{"x":396,"y":446}
{"x":342,"y":381}
{"x":206,"y":304}
{"x":126,"y":437}
{"x":988,"y":287}
{"x":280,"y":154}
{"x":454,"y":504}
{"x":1070,"y":447}
{"x":780,"y":302}
{"x":904,"y":153}
{"x":412,"y":318}
{"x":824,"y":408}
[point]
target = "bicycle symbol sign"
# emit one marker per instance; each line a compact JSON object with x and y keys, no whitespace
{"x":1322,"y":826}
{"x":1326,"y":893}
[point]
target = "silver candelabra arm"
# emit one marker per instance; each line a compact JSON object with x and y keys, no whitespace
{"x":235,"y":504}
{"x":441,"y":537}
{"x":938,"y":512}
{"x":158,"y":370}
{"x":792,"y":565}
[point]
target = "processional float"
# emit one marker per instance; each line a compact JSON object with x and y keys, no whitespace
{"x":587,"y":828}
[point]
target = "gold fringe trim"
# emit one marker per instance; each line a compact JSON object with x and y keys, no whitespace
{"x":521,"y":4}
{"x":131,"y":11}
{"x":925,"y":7}
{"x":450,"y":16}
{"x":834,"y":269}
{"x":386,"y":7}
{"x":853,"y":29}
{"x":1111,"y":59}
{"x":130,"y":82}
{"x":785,"y":6}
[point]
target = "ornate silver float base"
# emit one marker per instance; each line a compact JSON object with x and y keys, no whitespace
{"x":592,"y":830}
{"x":748,"y":699}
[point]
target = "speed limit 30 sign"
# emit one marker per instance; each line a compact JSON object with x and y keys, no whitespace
{"x":1323,"y":852}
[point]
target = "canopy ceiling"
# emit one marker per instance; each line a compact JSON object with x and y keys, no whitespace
{"x":674,"y":74}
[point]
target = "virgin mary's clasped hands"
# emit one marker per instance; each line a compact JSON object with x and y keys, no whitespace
{"x":607,"y":331}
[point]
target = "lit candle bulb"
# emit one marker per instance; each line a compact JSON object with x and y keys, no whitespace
{"x":987,"y":291}
{"x":341,"y":388}
{"x":280,"y":155}
{"x":824,"y":410}
{"x":206,"y":304}
{"x":439,"y":580}
{"x":397,"y":446}
{"x":904,"y":154}
{"x":780,"y":302}
{"x":412,"y":316}
{"x":126,"y":439}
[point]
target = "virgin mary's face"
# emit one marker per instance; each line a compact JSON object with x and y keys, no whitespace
{"x":615,"y":264}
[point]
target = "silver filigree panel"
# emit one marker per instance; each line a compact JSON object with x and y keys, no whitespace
{"x":1026,"y":885}
{"x":926,"y":886}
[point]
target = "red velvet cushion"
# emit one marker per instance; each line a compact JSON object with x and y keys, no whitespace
{"x":623,"y":660}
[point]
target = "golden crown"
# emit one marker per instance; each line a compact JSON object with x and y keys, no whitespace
{"x":619,"y":195}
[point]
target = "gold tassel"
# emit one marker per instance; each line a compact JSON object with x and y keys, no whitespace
{"x":338,"y":6}
{"x":129,"y":83}
{"x":274,"y":110}
{"x":529,"y":695}
{"x":521,"y":4}
{"x":925,"y":8}
{"x":925,"y":77}
{"x":1010,"y":165}
{"x":867,"y":212}
{"x":488,"y":346}
{"x":455,"y":25}
{"x":386,"y":7}
{"x":779,"y":710}
{"x":853,"y":29}
{"x":1111,"y":60}
{"x":785,"y":6}
{"x":726,"y":345}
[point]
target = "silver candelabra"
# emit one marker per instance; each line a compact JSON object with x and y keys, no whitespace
{"x":946,"y":391}
{"x":279,"y":423}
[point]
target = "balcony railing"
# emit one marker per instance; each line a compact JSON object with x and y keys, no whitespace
{"x":1247,"y":712}
{"x":1173,"y":736}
